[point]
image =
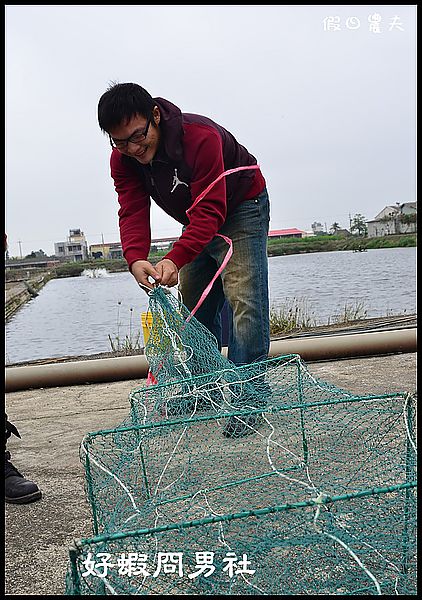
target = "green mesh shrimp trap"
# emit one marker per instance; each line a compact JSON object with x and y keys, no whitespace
{"x":250,"y":480}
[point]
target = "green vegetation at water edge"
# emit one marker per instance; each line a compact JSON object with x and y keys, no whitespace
{"x":295,"y":315}
{"x":332,"y":243}
{"x":68,"y":269}
{"x":116,"y":265}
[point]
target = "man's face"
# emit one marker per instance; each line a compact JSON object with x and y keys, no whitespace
{"x":138,"y":138}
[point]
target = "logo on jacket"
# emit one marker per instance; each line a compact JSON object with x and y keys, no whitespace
{"x":177,"y":181}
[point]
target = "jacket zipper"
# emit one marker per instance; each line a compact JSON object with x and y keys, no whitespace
{"x":155,"y":186}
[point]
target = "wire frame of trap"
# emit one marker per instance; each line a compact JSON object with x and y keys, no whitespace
{"x":324,"y":489}
{"x":280,"y":550}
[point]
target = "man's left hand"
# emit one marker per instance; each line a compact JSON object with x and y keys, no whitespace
{"x":169,"y":273}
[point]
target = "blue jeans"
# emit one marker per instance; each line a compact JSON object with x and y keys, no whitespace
{"x":243,"y":283}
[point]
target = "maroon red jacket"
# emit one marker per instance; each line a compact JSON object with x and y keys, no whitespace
{"x":193,"y":152}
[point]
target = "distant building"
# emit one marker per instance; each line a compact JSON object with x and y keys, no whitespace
{"x":343,"y":232}
{"x":277,"y":234}
{"x":111,"y":250}
{"x":400,"y":218}
{"x":114,"y":250}
{"x":74,"y":249}
{"x":163,"y":243}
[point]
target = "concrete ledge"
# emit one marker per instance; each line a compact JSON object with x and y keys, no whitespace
{"x":19,"y":292}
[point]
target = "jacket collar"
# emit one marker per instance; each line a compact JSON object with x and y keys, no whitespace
{"x":171,"y":127}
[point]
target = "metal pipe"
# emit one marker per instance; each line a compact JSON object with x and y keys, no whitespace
{"x":76,"y":372}
{"x":312,"y":348}
{"x":348,"y":345}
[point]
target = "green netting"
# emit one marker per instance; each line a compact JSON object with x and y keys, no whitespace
{"x":320,"y":498}
{"x":179,"y":346}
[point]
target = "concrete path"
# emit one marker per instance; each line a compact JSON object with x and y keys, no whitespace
{"x":53,"y":422}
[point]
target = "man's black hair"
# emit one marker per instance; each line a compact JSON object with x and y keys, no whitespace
{"x":121,"y":102}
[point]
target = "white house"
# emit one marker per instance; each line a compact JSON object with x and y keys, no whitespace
{"x":75,"y":248}
{"x":400,"y":218}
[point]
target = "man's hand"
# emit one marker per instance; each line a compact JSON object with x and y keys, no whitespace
{"x":141,"y":270}
{"x":168,"y":272}
{"x":165,"y":272}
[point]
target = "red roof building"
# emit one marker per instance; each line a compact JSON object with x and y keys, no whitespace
{"x":282,"y":233}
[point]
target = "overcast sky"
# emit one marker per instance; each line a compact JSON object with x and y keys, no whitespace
{"x":323,"y":96}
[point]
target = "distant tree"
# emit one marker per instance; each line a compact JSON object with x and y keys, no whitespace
{"x":334,"y":228}
{"x":36,"y":254}
{"x":408,"y":218}
{"x":359,"y":225}
{"x":70,"y":269}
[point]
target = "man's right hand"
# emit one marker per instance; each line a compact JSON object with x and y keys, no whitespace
{"x":141,"y":270}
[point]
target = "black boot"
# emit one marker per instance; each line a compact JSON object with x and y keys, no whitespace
{"x":18,"y":490}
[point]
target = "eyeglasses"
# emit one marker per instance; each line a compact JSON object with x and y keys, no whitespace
{"x":136,"y":138}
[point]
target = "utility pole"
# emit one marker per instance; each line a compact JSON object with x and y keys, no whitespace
{"x":102,"y":239}
{"x":20,"y":248}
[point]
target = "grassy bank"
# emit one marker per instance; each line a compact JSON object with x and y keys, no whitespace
{"x":332,"y":243}
{"x":292,"y":316}
{"x":295,"y":315}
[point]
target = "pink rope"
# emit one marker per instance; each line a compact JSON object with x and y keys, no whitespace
{"x":211,"y":283}
{"x":212,"y":184}
{"x":226,"y":239}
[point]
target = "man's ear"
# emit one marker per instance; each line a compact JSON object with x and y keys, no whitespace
{"x":156,"y":114}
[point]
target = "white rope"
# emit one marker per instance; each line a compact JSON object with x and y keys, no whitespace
{"x":113,"y":475}
{"x":406,"y":424}
{"x":319,"y":501}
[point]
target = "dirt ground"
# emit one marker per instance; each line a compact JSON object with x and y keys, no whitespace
{"x":52,"y":423}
